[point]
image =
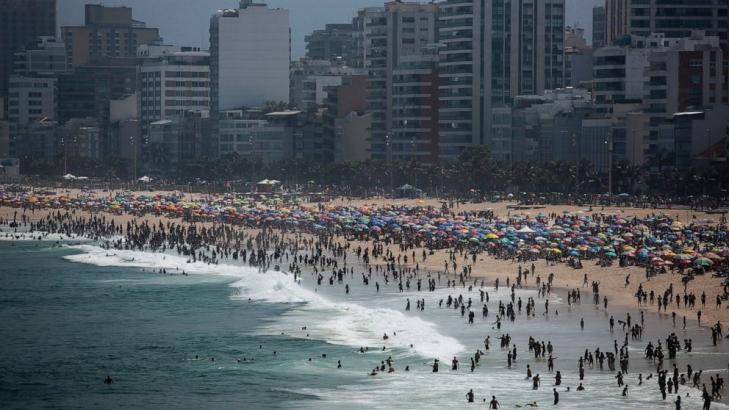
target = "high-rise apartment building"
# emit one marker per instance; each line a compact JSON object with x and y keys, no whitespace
{"x":599,"y":34}
{"x":414,"y":133}
{"x":577,"y":58}
{"x":491,"y":52}
{"x":310,"y":80}
{"x":334,"y":42}
{"x":107,"y":32}
{"x":346,"y":123}
{"x":33,"y":86}
{"x":688,"y":74}
{"x":250,"y":53}
{"x":21,"y":22}
{"x":268,"y":137}
{"x":677,"y":18}
{"x":619,"y":72}
{"x":616,"y":20}
{"x":574,"y":37}
{"x":88,"y":92}
{"x":173,"y":84}
{"x":32,"y":99}
{"x":384,"y":37}
{"x":45,"y":56}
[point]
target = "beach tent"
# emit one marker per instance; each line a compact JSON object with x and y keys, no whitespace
{"x":69,"y":177}
{"x":526,"y":229}
{"x":409,"y":191}
{"x":267,"y":185}
{"x":145,"y":179}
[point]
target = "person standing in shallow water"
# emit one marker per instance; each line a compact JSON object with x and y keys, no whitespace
{"x":494,"y":404}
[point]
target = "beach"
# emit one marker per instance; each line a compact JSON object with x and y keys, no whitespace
{"x":612,"y":279}
{"x":344,"y":322}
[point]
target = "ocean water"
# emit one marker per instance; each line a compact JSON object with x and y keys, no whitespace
{"x":72,"y":314}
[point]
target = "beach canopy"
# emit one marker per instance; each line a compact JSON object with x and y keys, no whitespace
{"x":269,"y":182}
{"x":69,"y":177}
{"x":409,"y":191}
{"x":145,"y":179}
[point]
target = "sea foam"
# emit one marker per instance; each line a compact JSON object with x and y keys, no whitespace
{"x":335,"y":322}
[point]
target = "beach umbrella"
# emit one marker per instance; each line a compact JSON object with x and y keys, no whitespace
{"x":713,"y":256}
{"x":705,"y":262}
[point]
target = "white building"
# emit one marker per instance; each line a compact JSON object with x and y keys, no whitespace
{"x":173,"y":84}
{"x":311,"y":78}
{"x":31,"y":99}
{"x":46,"y":56}
{"x":620,"y":72}
{"x":492,"y":51}
{"x":269,"y":137}
{"x":250,"y":50}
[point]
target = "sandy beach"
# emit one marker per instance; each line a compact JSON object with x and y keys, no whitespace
{"x":359,"y":316}
{"x":612,"y":279}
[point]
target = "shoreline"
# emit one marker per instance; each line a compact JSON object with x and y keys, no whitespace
{"x":490,"y":269}
{"x":612,"y":279}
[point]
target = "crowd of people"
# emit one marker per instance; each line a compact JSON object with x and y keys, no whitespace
{"x":383,"y":246}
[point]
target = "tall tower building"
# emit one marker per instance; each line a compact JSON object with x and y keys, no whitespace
{"x":677,"y":18}
{"x":492,"y":51}
{"x":385,"y":36}
{"x":174,"y":84}
{"x":616,"y":20}
{"x":250,"y":53}
{"x":599,"y":34}
{"x":334,"y":42}
{"x":107,"y":32}
{"x":21,"y":22}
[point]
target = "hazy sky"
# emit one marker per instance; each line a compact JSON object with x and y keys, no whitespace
{"x":185,"y":22}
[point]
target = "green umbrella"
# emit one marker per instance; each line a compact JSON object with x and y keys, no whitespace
{"x":705,"y":262}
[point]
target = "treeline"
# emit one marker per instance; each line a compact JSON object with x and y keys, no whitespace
{"x":474,"y":171}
